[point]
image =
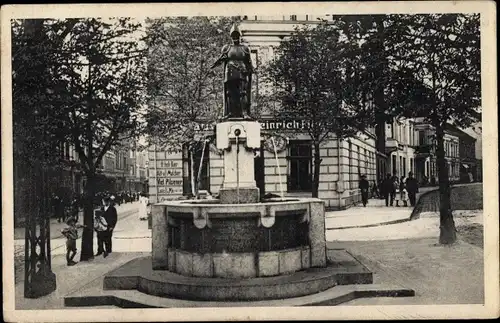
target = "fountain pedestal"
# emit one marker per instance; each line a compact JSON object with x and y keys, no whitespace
{"x":238,"y":139}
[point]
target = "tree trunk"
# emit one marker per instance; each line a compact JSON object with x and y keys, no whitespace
{"x":87,"y":250}
{"x":317,"y":163}
{"x":447,"y":228}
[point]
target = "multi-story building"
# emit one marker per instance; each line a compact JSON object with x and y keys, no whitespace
{"x":123,"y":169}
{"x":426,"y":154}
{"x":118,"y":171}
{"x":475,"y":131}
{"x":467,"y":155}
{"x":401,"y":140}
{"x":290,"y":168}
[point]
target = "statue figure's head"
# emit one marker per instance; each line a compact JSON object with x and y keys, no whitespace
{"x":235,"y":34}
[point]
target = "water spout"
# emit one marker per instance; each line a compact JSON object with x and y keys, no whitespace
{"x":237,"y":133}
{"x":198,"y":177}
{"x":279,"y":169}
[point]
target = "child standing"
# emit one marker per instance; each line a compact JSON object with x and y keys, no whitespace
{"x":71,"y":234}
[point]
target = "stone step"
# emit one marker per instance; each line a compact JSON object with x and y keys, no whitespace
{"x":343,"y":269}
{"x":138,"y":275}
{"x":134,"y":299}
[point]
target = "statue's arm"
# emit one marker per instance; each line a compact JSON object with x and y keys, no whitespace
{"x":248,"y":60}
{"x":222,"y":57}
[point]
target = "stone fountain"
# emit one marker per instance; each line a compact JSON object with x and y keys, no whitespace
{"x":236,"y":250}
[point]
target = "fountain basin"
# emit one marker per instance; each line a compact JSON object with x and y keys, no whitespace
{"x":209,"y":239}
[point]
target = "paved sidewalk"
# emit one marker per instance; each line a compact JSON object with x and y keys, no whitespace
{"x":438,"y":274}
{"x":127,"y":225}
{"x":425,"y":227}
{"x":70,"y":279}
{"x":374,"y":214}
{"x":56,"y":227}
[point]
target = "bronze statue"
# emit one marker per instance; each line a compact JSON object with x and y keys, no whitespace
{"x":238,"y":72}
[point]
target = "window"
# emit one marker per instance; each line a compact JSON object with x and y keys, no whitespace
{"x":394,"y":169}
{"x":293,"y":17}
{"x":411,"y":166}
{"x":404,"y":167}
{"x":400,"y":165}
{"x":299,"y":166}
{"x":66,"y":151}
{"x":421,"y":137}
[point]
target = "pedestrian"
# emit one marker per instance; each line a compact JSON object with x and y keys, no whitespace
{"x":387,"y":190}
{"x":111,"y":217}
{"x":364,"y":186}
{"x":395,"y":187}
{"x":55,"y":201}
{"x":143,"y":207}
{"x":101,"y":227}
{"x":375,"y":193}
{"x":112,"y":200}
{"x":411,"y":188}
{"x":402,"y":192}
{"x":74,"y":209}
{"x":71,"y":234}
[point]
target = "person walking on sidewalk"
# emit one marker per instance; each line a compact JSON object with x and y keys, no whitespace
{"x":364,"y":186}
{"x":111,"y":217}
{"x":388,"y":190}
{"x":375,"y":192}
{"x":411,"y":188}
{"x":143,"y":207}
{"x":101,"y":227}
{"x":71,"y":234}
{"x":57,"y":205}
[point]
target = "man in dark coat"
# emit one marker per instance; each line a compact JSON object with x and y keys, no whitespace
{"x":388,"y":190}
{"x":364,"y":186}
{"x":111,"y":217}
{"x":411,"y":188}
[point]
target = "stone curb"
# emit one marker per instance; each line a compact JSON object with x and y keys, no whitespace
{"x":371,"y":225}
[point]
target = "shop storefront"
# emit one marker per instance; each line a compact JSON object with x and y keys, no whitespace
{"x":288,"y":168}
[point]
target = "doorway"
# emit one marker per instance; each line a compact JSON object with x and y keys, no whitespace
{"x":300,"y":166}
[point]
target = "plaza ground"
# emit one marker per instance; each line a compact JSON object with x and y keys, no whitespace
{"x":397,"y":250}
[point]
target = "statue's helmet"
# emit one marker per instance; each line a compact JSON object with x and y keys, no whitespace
{"x":235,"y":32}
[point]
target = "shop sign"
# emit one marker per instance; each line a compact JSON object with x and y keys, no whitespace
{"x":284,"y":124}
{"x":269,"y":124}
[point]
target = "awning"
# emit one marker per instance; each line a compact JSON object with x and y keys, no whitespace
{"x":465,"y":165}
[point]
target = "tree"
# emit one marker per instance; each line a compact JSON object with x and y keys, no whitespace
{"x":185,"y":95}
{"x":94,"y":71}
{"x":438,"y":61}
{"x":36,"y":133}
{"x":314,"y":79}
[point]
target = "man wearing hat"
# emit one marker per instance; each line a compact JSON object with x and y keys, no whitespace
{"x":364,"y":186}
{"x":111,"y":217}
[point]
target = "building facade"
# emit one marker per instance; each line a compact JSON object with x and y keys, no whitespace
{"x":401,"y":141}
{"x":427,"y":173}
{"x":289,"y":169}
